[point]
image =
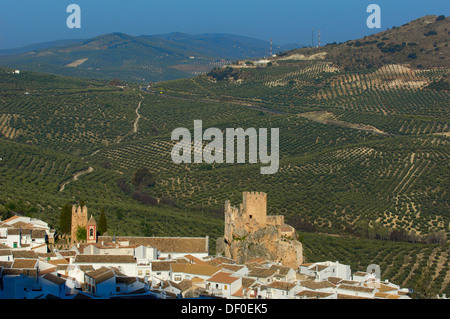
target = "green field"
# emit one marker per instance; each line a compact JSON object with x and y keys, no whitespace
{"x":383,"y":196}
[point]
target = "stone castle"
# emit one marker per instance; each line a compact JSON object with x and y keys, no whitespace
{"x":250,"y":233}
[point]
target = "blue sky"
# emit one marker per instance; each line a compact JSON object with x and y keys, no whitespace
{"x":25,"y":22}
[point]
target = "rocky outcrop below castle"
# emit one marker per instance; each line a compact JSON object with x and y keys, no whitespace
{"x":250,"y":233}
{"x":264,"y":243}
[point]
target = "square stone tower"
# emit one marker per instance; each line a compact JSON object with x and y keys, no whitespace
{"x":254,"y":207}
{"x":79,"y":218}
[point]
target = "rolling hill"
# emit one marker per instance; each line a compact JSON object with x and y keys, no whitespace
{"x":421,"y":43}
{"x":136,"y":58}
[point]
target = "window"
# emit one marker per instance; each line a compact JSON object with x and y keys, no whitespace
{"x":225,"y":287}
{"x":139,"y":272}
{"x":251,"y":216}
{"x":177,"y":278}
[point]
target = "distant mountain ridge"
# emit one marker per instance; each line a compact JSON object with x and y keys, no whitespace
{"x":137,"y":58}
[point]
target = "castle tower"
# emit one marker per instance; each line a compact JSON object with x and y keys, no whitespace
{"x":254,"y":207}
{"x":79,"y":219}
{"x":91,"y":231}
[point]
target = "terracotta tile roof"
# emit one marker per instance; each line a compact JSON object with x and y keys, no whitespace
{"x":197,"y":280}
{"x":5,"y":252}
{"x":283,"y":285}
{"x":4,"y":225}
{"x":67,"y":253}
{"x":24,"y":254}
{"x":38,"y":233}
{"x":247,"y":282}
{"x":356,"y":288}
{"x":262,"y":272}
{"x":20,"y":271}
{"x":161,"y":265}
{"x":58,"y":262}
{"x":101,"y":274}
{"x":97,"y":272}
{"x":47,"y":271}
{"x":239,"y":293}
{"x":6,"y":264}
{"x":312,"y":284}
{"x":104,"y":277}
{"x":109,"y":259}
{"x":55,"y":279}
{"x":349,"y":282}
{"x":313,"y":294}
{"x":195,"y":260}
{"x":334,"y":280}
{"x":220,"y":260}
{"x":231,"y":267}
{"x":318,"y":267}
{"x":360,"y":273}
{"x":344,"y":296}
{"x":166,"y":244}
{"x":223,"y":278}
{"x":125,"y":280}
{"x":203,"y":270}
{"x":306,"y":265}
{"x":24,"y":263}
{"x":14,"y":231}
{"x":381,"y":287}
{"x":282,"y":270}
{"x":184,"y":285}
{"x":3,"y":246}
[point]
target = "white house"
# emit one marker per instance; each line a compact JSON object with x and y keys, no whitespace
{"x":180,"y":271}
{"x":264,"y":275}
{"x":124,"y":263}
{"x":323,"y":270}
{"x":167,"y":247}
{"x":363,"y":276}
{"x":223,"y":284}
{"x":53,"y":284}
{"x":282,"y":290}
{"x":356,"y":291}
{"x":284,"y":273}
{"x":100,"y":282}
{"x":18,"y":278}
{"x":160,"y":270}
{"x":108,"y":281}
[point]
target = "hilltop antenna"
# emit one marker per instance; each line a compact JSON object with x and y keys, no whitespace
{"x":319,"y":38}
{"x":270,"y":47}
